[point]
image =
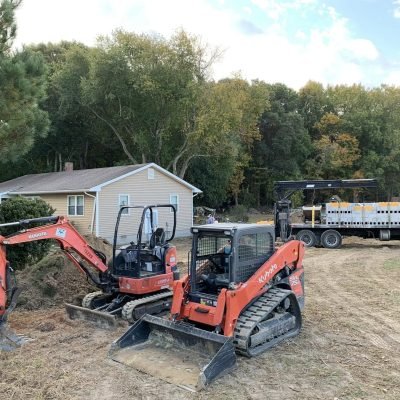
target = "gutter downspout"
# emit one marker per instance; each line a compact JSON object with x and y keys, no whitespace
{"x":194,"y":195}
{"x":94,"y":210}
{"x":97,"y":213}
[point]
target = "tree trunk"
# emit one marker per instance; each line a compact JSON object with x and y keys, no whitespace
{"x":158,"y":136}
{"x":184,"y":167}
{"x":258,"y":195}
{"x":173,"y":164}
{"x":121,"y":140}
{"x":85,"y":164}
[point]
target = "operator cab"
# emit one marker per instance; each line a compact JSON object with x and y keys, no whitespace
{"x":224,"y":255}
{"x":144,"y":257}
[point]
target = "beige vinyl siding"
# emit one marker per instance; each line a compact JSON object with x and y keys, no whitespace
{"x":60,"y":203}
{"x":143,"y":191}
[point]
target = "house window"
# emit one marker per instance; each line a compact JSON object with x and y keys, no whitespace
{"x":124,"y":201}
{"x":174,"y":200}
{"x":150,"y":173}
{"x":75,"y":205}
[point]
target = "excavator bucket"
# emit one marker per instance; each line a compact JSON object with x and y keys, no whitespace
{"x":10,"y":341}
{"x":100,"y":319}
{"x":175,"y":352}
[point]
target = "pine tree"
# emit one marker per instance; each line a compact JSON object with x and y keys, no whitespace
{"x":22,"y":89}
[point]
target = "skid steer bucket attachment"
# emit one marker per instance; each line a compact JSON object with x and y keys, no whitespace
{"x":175,"y":352}
{"x":100,"y":319}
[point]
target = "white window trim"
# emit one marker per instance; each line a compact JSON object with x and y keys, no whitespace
{"x":129,"y":202}
{"x":76,"y":205}
{"x":177,"y":202}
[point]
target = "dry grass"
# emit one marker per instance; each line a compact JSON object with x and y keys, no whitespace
{"x":349,"y":347}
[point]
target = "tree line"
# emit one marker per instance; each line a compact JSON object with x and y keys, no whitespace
{"x":135,"y":98}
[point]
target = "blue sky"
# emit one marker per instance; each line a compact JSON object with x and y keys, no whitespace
{"x":373,"y":19}
{"x":289,"y":41}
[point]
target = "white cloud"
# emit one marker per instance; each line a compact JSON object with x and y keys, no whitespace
{"x":247,"y":10}
{"x":273,"y":8}
{"x":396,"y":10}
{"x":329,"y":54}
{"x":393,"y":78}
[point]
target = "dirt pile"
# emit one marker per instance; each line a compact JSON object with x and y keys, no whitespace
{"x":55,"y":279}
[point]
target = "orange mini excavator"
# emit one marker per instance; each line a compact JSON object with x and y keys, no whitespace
{"x":135,"y":282}
{"x":242,"y":295}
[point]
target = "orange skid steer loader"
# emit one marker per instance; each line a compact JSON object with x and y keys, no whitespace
{"x":242,"y":295}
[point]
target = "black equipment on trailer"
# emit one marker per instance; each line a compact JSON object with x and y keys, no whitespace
{"x":325,"y":224}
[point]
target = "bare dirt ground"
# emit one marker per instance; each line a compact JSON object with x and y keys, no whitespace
{"x":349,"y":347}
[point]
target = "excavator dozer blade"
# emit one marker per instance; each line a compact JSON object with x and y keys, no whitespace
{"x":100,"y":319}
{"x":9,"y":340}
{"x":175,"y":352}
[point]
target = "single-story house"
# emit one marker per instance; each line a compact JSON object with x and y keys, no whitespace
{"x":91,"y":198}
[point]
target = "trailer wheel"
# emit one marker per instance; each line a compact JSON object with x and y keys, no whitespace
{"x":331,"y":239}
{"x":307,"y":237}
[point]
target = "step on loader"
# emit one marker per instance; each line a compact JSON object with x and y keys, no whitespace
{"x":241,"y":296}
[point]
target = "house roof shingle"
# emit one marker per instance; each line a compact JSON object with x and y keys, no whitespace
{"x":77,"y":180}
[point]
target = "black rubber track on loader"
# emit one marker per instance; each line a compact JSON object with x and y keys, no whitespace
{"x":258,"y":312}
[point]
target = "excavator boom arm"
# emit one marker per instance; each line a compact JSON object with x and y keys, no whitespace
{"x":56,"y":228}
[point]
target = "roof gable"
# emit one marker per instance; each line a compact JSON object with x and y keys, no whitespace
{"x":156,"y":167}
{"x":90,"y":180}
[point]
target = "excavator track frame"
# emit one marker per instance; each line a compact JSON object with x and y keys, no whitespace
{"x":135,"y":309}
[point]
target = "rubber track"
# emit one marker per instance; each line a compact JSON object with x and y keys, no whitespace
{"x":86,"y":301}
{"x":130,"y":306}
{"x":254,"y":314}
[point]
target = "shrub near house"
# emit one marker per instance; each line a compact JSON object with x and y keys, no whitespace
{"x":16,"y":209}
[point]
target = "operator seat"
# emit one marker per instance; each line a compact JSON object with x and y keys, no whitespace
{"x":157,"y":244}
{"x":157,"y":238}
{"x":215,"y":281}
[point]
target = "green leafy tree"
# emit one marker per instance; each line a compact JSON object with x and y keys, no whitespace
{"x":224,"y":131}
{"x":313,"y":104}
{"x":74,"y":134}
{"x":213,"y":176}
{"x":285,"y":143}
{"x":141,"y":88}
{"x":20,"y":208}
{"x":371,"y":117}
{"x":154,"y":98}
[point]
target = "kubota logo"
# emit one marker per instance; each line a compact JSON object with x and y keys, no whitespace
{"x":294,"y":280}
{"x":163,"y":281}
{"x":267,"y":274}
{"x":37,"y":235}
